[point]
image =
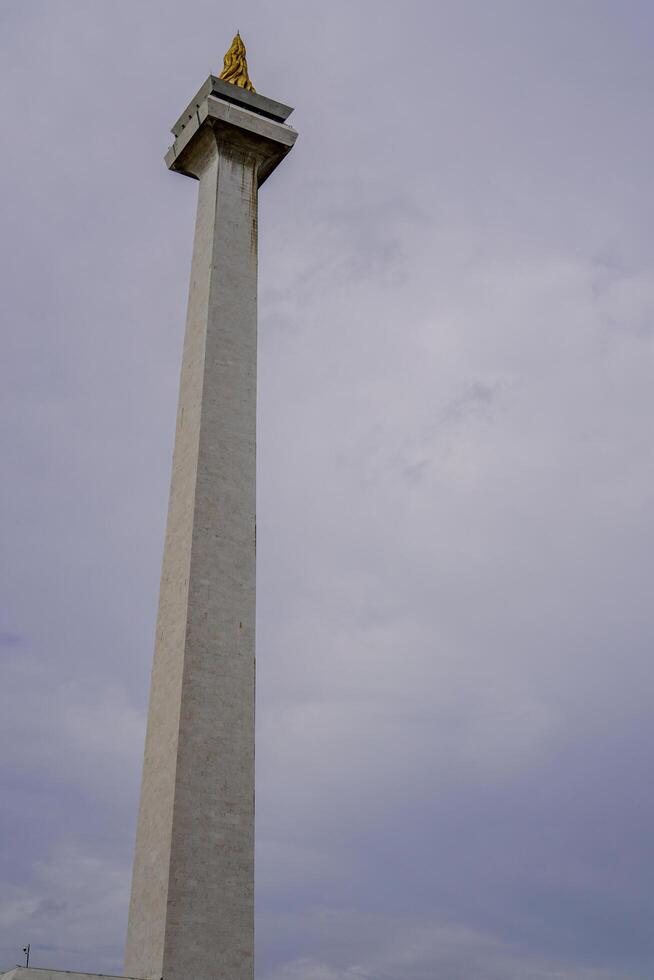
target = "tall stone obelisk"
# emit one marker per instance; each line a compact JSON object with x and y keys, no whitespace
{"x":191,"y":913}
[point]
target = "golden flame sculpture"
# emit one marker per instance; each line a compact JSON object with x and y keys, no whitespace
{"x":235,"y":68}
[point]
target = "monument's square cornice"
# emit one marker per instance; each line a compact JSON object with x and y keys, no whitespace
{"x":260,"y":104}
{"x":252,"y":120}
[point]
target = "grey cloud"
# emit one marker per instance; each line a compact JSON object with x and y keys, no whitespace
{"x":8,"y":639}
{"x":454,"y":484}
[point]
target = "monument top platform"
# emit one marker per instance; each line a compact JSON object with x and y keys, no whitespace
{"x":223,"y":106}
{"x":238,"y":96}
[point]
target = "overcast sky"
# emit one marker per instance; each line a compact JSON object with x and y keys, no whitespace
{"x":455,"y":476}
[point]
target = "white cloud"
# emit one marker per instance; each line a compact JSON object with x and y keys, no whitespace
{"x":72,"y":912}
{"x":389,"y":950}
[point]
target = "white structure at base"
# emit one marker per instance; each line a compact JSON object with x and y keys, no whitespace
{"x":37,"y":973}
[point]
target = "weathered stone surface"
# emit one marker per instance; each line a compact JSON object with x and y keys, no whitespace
{"x":192,"y":905}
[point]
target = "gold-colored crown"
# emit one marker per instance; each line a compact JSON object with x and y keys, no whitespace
{"x":235,"y":68}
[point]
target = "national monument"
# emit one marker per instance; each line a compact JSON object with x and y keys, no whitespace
{"x":191,"y":914}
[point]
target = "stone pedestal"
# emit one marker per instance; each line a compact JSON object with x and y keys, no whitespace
{"x":192,"y":912}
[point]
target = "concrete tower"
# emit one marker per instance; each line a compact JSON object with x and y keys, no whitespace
{"x":192,"y":912}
